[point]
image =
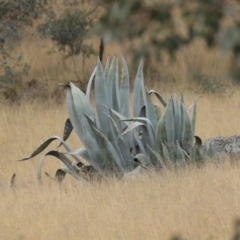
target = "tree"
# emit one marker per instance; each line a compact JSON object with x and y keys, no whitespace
{"x":156,"y":26}
{"x":14,"y":17}
{"x":71,"y":31}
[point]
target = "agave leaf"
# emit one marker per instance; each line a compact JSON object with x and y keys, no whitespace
{"x":115,"y":124}
{"x":97,"y":158}
{"x":107,"y":66}
{"x":136,"y":137}
{"x":142,"y":130}
{"x":120,"y":117}
{"x":143,"y":112}
{"x":177,"y":119}
{"x":126,"y":157}
{"x":124,"y":90}
{"x":150,"y":109}
{"x":146,"y":137}
{"x":169,"y":121}
{"x":72,"y":169}
{"x":81,"y":103}
{"x":159,"y":96}
{"x":188,"y":136}
{"x":161,"y":133}
{"x":60,"y":175}
{"x":158,"y":112}
{"x":166,"y":152}
{"x":78,"y":107}
{"x":116,"y":117}
{"x":157,"y":161}
{"x":60,"y":172}
{"x":139,"y":119}
{"x":195,"y":155}
{"x":149,"y":131}
{"x":89,"y":124}
{"x":113,"y":136}
{"x":88,"y":91}
{"x":194,"y":103}
{"x":180,"y":159}
{"x":131,"y":126}
{"x":81,"y":152}
{"x":73,"y":115}
{"x":112,"y":85}
{"x":110,"y":78}
{"x":117,"y":114}
{"x":121,"y":125}
{"x":101,"y":97}
{"x":182,"y":98}
{"x":67,"y":130}
{"x":172,"y":151}
{"x":45,"y":145}
{"x":187,"y":156}
{"x":115,"y":90}
{"x":139,"y":143}
{"x":150,"y":114}
{"x":181,"y":125}
{"x":194,"y":116}
{"x":198,"y":141}
{"x":112,"y":158}
{"x":142,"y":159}
{"x":133,"y":149}
{"x":137,"y":95}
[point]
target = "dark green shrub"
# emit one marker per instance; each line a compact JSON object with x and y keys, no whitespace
{"x":70,"y":33}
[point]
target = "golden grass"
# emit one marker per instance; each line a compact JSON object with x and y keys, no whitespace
{"x":195,"y":203}
{"x":167,"y":76}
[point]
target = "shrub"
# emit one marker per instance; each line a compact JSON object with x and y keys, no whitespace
{"x":116,"y":143}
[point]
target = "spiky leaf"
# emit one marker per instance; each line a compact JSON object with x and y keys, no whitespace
{"x":72,"y":169}
{"x":137,"y":96}
{"x":101,"y":97}
{"x":169,"y":121}
{"x":159,"y":96}
{"x":67,"y":130}
{"x":88,"y":91}
{"x":124,"y":90}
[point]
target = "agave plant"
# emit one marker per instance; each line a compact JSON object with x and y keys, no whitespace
{"x":116,"y":141}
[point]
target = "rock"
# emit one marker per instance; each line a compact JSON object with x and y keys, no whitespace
{"x":222,"y":146}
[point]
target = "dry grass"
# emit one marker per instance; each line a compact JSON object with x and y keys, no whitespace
{"x":196,"y":203}
{"x":53,"y":68}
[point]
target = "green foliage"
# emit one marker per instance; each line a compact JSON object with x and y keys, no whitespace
{"x":115,"y":143}
{"x":15,"y":15}
{"x":210,"y":85}
{"x":70,"y":31}
{"x":157,"y":27}
{"x":13,"y":69}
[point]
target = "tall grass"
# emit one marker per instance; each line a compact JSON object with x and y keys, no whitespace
{"x":50,"y":66}
{"x":194,"y":203}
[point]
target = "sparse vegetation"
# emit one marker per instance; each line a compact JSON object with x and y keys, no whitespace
{"x":146,"y":138}
{"x":174,"y":203}
{"x":195,"y":203}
